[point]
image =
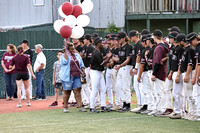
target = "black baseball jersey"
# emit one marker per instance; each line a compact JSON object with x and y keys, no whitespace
{"x":136,"y":50}
{"x":103,"y":51}
{"x":29,"y":53}
{"x":115,"y":52}
{"x":150,"y":57}
{"x":79,"y":48}
{"x":171,"y":51}
{"x":199,"y":59}
{"x":176,"y":58}
{"x":188,"y":58}
{"x":197,"y":51}
{"x":97,"y":60}
{"x":124,"y":52}
{"x":143,"y":60}
{"x":88,"y":55}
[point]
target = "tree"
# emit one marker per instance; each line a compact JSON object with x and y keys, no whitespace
{"x":112,"y":28}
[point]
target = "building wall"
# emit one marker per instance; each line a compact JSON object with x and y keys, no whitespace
{"x":23,"y":12}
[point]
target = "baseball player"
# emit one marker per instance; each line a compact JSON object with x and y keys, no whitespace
{"x":186,"y":69}
{"x":123,"y":78}
{"x":97,"y":77}
{"x":159,"y":72}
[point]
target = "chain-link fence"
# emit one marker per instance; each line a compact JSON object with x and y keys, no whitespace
{"x":51,"y":58}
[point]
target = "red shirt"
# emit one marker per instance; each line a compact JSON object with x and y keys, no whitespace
{"x":21,"y":62}
{"x":74,"y":69}
{"x":7,"y":58}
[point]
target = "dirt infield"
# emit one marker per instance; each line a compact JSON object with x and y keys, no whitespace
{"x":10,"y":106}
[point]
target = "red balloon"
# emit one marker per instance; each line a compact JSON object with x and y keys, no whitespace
{"x":65,"y":31}
{"x":67,"y":8}
{"x":77,"y":10}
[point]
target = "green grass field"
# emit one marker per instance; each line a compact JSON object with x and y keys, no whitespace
{"x":84,"y":122}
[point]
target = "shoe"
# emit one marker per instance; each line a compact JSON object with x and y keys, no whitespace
{"x":152,"y":113}
{"x":44,"y":98}
{"x":23,"y":98}
{"x":36,"y":98}
{"x":146,"y":112}
{"x":158,"y":113}
{"x":115,"y":108}
{"x":174,"y":116}
{"x":123,"y":110}
{"x":54,"y":104}
{"x":144,"y":108}
{"x":109,"y":105}
{"x":93,"y":111}
{"x":62,"y":104}
{"x":98,"y":107}
{"x":105,"y":109}
{"x":82,"y":109}
{"x":167,"y":112}
{"x":28,"y":104}
{"x":87,"y":106}
{"x":19,"y":105}
{"x":66,"y":110}
{"x":136,"y":109}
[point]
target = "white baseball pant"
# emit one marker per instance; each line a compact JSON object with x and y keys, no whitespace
{"x":109,"y":85}
{"x":178,"y":96}
{"x":168,"y":94}
{"x":97,"y":82}
{"x":146,"y":88}
{"x":196,"y":94}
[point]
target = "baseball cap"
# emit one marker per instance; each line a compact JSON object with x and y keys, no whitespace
{"x":112,"y":37}
{"x":149,"y":37}
{"x":144,"y":38}
{"x":88,"y":37}
{"x":121,"y":35}
{"x":173,"y":34}
{"x":97,"y":40}
{"x":133,"y":33}
{"x":24,"y":41}
{"x":39,"y":46}
{"x":180,"y":37}
{"x":145,"y":32}
{"x":108,"y":36}
{"x":191,"y":36}
{"x":158,"y":33}
{"x":94,"y":35}
{"x":174,"y":28}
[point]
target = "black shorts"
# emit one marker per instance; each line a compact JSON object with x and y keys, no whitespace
{"x":58,"y":85}
{"x":23,"y":76}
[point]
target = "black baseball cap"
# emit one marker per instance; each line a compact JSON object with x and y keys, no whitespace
{"x":112,"y":37}
{"x":94,"y":35}
{"x":108,"y":36}
{"x":149,"y":37}
{"x":88,"y":37}
{"x":133,"y":33}
{"x":144,"y":38}
{"x":173,"y":34}
{"x":180,"y":37}
{"x":158,"y":33}
{"x":97,"y":40}
{"x":145,"y":32}
{"x":174,"y":28}
{"x":191,"y":36}
{"x":121,"y":35}
{"x":24,"y":41}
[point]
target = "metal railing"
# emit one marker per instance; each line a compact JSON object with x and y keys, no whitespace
{"x":153,"y":6}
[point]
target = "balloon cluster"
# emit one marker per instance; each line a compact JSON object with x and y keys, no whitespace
{"x":74,"y":19}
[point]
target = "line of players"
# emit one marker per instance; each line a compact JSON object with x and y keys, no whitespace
{"x":152,"y":65}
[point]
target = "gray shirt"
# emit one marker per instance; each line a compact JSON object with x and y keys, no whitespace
{"x":56,"y":67}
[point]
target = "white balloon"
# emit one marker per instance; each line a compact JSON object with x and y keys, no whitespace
{"x":57,"y":25}
{"x":77,"y":32}
{"x":61,"y":12}
{"x":70,"y":20}
{"x":87,"y":6}
{"x":83,"y":20}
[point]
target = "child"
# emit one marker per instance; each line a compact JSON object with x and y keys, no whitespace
{"x":56,"y":79}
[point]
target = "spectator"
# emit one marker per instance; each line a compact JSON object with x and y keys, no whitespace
{"x":20,"y":62}
{"x":71,"y":65}
{"x":56,"y":79}
{"x":39,"y":66}
{"x":9,"y":74}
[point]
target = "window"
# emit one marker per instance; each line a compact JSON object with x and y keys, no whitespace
{"x":38,"y":2}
